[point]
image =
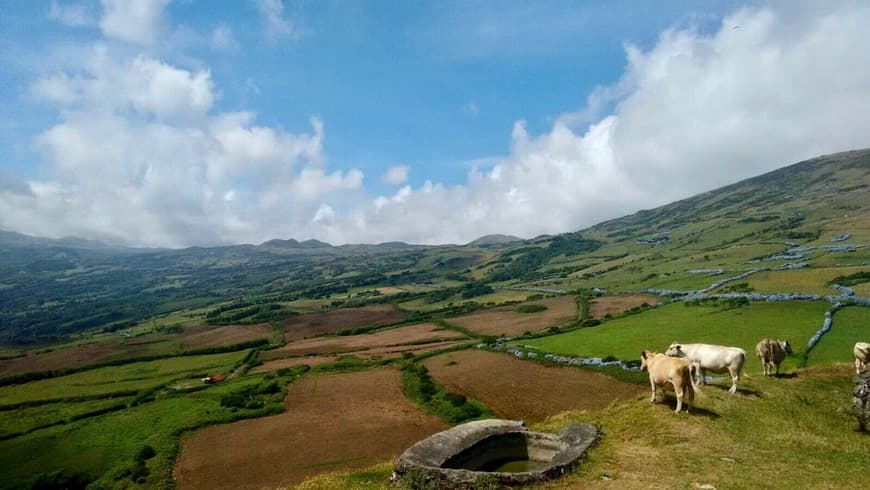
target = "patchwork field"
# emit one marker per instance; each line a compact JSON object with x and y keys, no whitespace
{"x":335,"y":421}
{"x":313,"y":324}
{"x":523,"y":390}
{"x":129,"y":378}
{"x":615,"y":305}
{"x":117,"y":348}
{"x":655,"y":329}
{"x":506,"y":320}
{"x":395,"y":339}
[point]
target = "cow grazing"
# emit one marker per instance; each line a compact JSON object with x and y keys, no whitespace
{"x":663,"y":370}
{"x":715,"y":358}
{"x":862,"y":357}
{"x":772,"y":352}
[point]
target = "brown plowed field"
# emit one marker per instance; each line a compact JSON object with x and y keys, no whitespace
{"x":205,"y":337}
{"x":333,"y":422}
{"x":379,"y":353}
{"x":525,"y":390}
{"x":313,"y":324}
{"x":292,"y":361}
{"x":115,"y":348}
{"x":506,"y":320}
{"x":410,"y":336}
{"x":617,"y":304}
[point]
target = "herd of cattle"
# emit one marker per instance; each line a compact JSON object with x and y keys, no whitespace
{"x":684,"y":366}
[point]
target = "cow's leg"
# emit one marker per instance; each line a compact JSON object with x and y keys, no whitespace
{"x":703,"y":372}
{"x":735,"y":375}
{"x":777,"y":369}
{"x":678,"y":390}
{"x":652,"y":399}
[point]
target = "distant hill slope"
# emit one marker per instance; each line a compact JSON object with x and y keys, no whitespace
{"x":732,"y":228}
{"x":494,"y":240}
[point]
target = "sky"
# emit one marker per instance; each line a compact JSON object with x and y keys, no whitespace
{"x":173,"y":123}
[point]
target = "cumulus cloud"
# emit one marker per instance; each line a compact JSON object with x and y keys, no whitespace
{"x":277,"y":25}
{"x":139,"y":157}
{"x":396,"y":175}
{"x":139,"y":153}
{"x":133,"y":21}
{"x":692,"y":113}
{"x":143,"y":85}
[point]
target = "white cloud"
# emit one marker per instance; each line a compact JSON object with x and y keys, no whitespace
{"x":692,"y":113}
{"x":140,"y":155}
{"x":277,"y":25}
{"x":71,"y":14}
{"x":396,"y":175}
{"x":142,"y":84}
{"x":134,"y":21}
{"x":222,"y":38}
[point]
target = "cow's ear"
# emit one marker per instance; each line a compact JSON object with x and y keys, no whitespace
{"x":678,"y":347}
{"x":643,"y":354}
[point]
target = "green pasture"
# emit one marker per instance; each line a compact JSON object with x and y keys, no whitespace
{"x":851,"y":324}
{"x":103,"y":447}
{"x":29,"y":418}
{"x":112,"y":379}
{"x":811,"y":280}
{"x":655,"y":329}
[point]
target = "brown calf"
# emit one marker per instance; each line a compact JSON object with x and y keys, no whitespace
{"x":665,"y":369}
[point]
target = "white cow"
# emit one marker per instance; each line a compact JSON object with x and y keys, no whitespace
{"x":862,"y":356}
{"x":715,"y":358}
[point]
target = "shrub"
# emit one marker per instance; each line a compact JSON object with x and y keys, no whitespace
{"x":531,"y":308}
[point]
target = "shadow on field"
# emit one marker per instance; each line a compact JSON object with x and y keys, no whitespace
{"x":786,"y":375}
{"x":741,"y":390}
{"x":671,"y":402}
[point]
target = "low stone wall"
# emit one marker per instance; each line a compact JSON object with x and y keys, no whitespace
{"x":861,"y":399}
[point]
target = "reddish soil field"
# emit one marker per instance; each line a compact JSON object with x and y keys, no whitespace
{"x":205,"y":337}
{"x":409,"y":337}
{"x":617,"y":304}
{"x":84,"y":355}
{"x":333,"y":422}
{"x":506,"y":320}
{"x":379,"y":353}
{"x":116,"y":347}
{"x":525,"y":390}
{"x":313,"y":324}
{"x":277,"y":364}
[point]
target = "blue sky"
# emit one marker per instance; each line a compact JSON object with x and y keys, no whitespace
{"x":484,"y":106}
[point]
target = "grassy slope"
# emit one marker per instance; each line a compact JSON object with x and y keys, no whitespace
{"x":795,"y":433}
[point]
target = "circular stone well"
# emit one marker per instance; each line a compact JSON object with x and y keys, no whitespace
{"x":493,"y":451}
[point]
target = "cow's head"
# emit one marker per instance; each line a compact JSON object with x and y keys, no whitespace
{"x":643,"y":357}
{"x":786,"y":346}
{"x":675,"y":350}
